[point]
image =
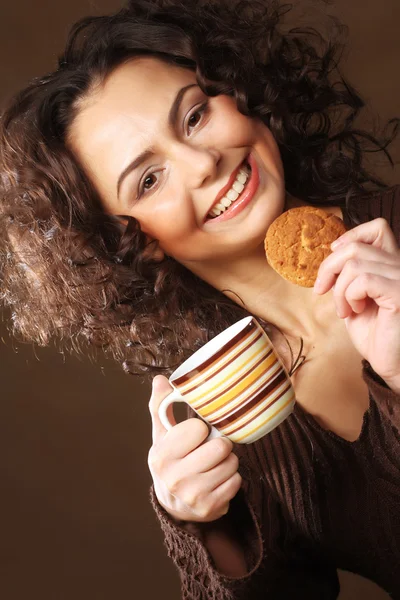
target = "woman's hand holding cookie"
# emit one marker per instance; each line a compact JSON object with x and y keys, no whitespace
{"x":193,"y":480}
{"x":364,"y":273}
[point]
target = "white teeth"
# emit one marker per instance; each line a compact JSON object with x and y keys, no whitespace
{"x":232,"y":195}
{"x":238,"y":187}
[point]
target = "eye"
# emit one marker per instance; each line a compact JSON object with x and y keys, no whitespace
{"x":147,"y":183}
{"x":150,"y":179}
{"x":196,"y":116}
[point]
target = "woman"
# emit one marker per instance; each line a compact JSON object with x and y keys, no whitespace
{"x":113,"y":168}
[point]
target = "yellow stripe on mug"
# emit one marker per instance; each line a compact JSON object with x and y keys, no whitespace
{"x":236,"y":383}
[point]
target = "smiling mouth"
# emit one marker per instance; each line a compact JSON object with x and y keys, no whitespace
{"x":234,"y":193}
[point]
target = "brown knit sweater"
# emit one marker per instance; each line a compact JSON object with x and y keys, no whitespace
{"x":311,"y":502}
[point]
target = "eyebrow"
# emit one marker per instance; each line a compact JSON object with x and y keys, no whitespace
{"x":172,"y":116}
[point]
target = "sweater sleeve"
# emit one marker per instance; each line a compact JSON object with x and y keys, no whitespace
{"x":387,"y":401}
{"x":279,"y":565}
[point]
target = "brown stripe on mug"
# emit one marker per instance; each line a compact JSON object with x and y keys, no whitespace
{"x":239,"y":337}
{"x":242,"y":425}
{"x":237,"y":381}
{"x":258,"y":399}
{"x":231,"y":360}
{"x":245,"y":401}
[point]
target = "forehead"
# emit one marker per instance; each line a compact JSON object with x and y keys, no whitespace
{"x":125,"y":113}
{"x":136,"y":92}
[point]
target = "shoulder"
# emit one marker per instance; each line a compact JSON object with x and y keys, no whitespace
{"x":366,"y":207}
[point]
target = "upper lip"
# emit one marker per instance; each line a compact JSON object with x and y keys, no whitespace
{"x":226,"y":187}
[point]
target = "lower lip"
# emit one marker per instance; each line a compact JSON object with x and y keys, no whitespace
{"x":246,"y":196}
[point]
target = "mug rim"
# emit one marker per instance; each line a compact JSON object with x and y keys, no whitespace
{"x":187,"y":369}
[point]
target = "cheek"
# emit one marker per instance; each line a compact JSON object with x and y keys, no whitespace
{"x":233,"y":128}
{"x":168,"y":219}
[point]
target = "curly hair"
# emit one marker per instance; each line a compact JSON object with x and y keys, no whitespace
{"x":73,"y":273}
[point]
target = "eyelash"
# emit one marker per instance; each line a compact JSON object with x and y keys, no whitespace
{"x":202,"y":110}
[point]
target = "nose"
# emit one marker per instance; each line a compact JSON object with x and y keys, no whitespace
{"x":199,"y":165}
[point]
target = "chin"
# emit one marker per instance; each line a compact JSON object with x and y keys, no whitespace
{"x":262,"y":219}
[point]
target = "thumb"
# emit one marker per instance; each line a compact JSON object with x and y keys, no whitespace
{"x":161,"y":388}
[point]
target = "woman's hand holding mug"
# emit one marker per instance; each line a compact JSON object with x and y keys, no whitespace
{"x":237,"y":384}
{"x":193,"y":480}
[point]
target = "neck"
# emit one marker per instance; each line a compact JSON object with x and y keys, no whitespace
{"x":252,"y":283}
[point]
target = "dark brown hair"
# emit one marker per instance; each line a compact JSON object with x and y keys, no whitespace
{"x":72,"y":272}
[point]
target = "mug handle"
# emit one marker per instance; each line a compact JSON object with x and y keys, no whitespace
{"x":176,"y":397}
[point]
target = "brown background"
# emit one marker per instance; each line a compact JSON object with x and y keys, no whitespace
{"x":74,"y":515}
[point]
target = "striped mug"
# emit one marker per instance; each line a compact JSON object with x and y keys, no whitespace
{"x":236,"y":383}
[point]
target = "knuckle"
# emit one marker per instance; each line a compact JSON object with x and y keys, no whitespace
{"x":382,"y":223}
{"x":353,"y":249}
{"x":173,"y":484}
{"x":232,"y":486}
{"x":197,"y":426}
{"x":191,"y":499}
{"x":353,"y":264}
{"x":237,"y":480}
{"x":213,"y":507}
{"x":366,"y":278}
{"x":152,"y":457}
{"x":154,"y":461}
{"x":202,"y":513}
{"x":205,"y":512}
{"x":224,"y":509}
{"x":160,"y":390}
{"x":220,"y":446}
{"x":151,"y":405}
{"x":235,"y":460}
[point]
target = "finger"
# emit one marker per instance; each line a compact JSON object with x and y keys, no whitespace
{"x":206,"y":482}
{"x":214,"y":501}
{"x":229,"y":488}
{"x":160,"y":390}
{"x":385,"y":292}
{"x":221,"y":473}
{"x":184,"y":438}
{"x":335,"y":262}
{"x":352,"y":269}
{"x":376,"y":232}
{"x":208,"y":455}
{"x":220,"y":484}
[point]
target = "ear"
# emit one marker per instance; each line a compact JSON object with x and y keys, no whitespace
{"x":153,"y":250}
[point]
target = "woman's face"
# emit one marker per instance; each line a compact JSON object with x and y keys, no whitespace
{"x":160,"y":150}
